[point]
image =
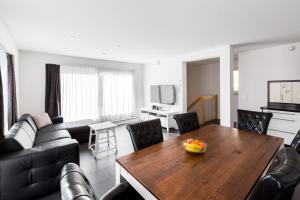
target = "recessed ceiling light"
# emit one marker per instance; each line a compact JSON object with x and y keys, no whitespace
{"x":291,"y":48}
{"x":72,"y":37}
{"x":103,"y":53}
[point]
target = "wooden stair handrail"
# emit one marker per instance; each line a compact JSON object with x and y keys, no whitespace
{"x":202,"y":98}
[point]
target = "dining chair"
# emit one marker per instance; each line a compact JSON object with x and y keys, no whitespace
{"x":187,"y":122}
{"x":257,"y":122}
{"x":296,"y":142}
{"x":281,"y":178}
{"x":145,"y":134}
{"x":74,"y":185}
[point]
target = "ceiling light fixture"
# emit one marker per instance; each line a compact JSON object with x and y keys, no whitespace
{"x":291,"y":48}
{"x":103,"y":53}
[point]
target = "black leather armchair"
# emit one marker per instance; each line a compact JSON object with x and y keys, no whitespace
{"x":187,"y":122}
{"x":75,"y":185}
{"x":144,"y":134}
{"x":296,"y":142}
{"x":31,"y":160}
{"x":257,"y":122}
{"x":281,"y":179}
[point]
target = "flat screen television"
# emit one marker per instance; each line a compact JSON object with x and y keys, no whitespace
{"x":162,"y":94}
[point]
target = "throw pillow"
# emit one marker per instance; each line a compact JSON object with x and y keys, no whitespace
{"x":42,"y":120}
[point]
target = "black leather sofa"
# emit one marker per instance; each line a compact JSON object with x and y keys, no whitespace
{"x":78,"y":130}
{"x":31,"y":160}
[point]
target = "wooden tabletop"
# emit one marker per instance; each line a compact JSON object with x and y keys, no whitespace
{"x":229,"y":169}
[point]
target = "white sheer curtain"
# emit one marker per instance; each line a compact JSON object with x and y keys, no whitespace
{"x":116,"y":95}
{"x":3,"y":65}
{"x":79,"y":92}
{"x":94,"y":93}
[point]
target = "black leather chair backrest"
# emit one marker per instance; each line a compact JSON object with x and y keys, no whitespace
{"x":187,"y":122}
{"x":20,"y":136}
{"x":74,"y":184}
{"x":296,"y":142}
{"x":281,"y":179}
{"x":145,"y":134}
{"x":252,"y":121}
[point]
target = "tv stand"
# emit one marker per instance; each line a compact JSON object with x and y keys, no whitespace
{"x":165,"y":116}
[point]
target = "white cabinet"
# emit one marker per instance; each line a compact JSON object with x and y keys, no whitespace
{"x":284,"y":124}
{"x":165,"y":116}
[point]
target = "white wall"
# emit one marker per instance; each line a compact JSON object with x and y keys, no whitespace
{"x":32,"y":77}
{"x":202,"y":80}
{"x":7,"y":42}
{"x":173,"y":71}
{"x":256,"y":67}
{"x":163,"y":73}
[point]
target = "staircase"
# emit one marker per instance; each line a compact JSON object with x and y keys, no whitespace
{"x":206,"y":108}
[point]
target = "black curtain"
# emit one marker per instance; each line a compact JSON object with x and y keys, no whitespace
{"x":52,"y":99}
{"x":1,"y":109}
{"x":11,"y":92}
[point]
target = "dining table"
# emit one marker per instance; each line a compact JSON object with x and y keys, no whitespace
{"x":229,"y":169}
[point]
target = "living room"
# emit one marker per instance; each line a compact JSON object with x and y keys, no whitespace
{"x":104,"y":89}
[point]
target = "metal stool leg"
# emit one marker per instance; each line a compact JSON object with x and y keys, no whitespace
{"x":90,"y":138}
{"x":114,"y":132}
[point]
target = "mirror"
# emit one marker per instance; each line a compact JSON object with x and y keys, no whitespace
{"x":284,"y":91}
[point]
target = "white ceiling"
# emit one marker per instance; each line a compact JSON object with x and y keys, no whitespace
{"x":140,"y":30}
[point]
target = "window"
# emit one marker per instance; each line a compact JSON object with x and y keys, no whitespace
{"x":93,"y":93}
{"x":3,"y":65}
{"x":236,"y":81}
{"x":116,"y":95}
{"x":79,"y":93}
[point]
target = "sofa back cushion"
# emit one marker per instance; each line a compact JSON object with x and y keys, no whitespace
{"x":21,"y":136}
{"x":28,"y":118}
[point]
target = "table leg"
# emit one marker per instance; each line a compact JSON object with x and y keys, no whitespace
{"x":144,"y":192}
{"x":115,"y":137}
{"x":96,"y":143}
{"x":118,"y":174}
{"x":107,"y":136}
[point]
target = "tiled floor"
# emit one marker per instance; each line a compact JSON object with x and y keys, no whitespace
{"x":101,"y":172}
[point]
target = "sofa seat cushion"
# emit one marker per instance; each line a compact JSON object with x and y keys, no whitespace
{"x":79,"y":130}
{"x":50,"y":136}
{"x":51,"y":128}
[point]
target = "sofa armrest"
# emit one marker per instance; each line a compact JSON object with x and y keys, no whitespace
{"x":35,"y":172}
{"x":57,"y":120}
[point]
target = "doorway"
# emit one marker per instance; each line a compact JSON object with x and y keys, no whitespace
{"x":203,"y":90}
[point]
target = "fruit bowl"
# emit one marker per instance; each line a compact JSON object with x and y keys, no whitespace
{"x":194,"y":146}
